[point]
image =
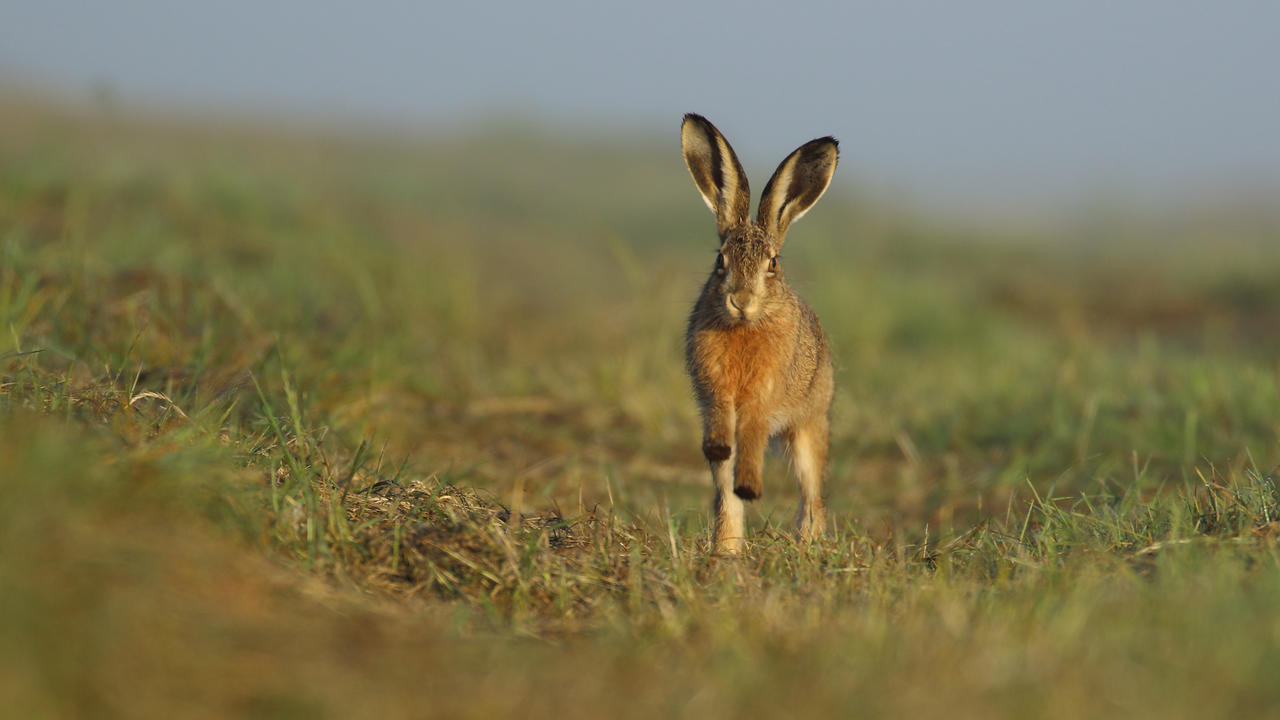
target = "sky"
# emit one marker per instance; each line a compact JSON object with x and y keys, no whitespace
{"x":991,"y":101}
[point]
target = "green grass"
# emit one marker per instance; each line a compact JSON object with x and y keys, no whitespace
{"x":294,"y":424}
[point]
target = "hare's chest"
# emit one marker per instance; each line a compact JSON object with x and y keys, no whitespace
{"x":742,"y":364}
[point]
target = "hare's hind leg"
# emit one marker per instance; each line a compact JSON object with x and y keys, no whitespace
{"x":808,"y":443}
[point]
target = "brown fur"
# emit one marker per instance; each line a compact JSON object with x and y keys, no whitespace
{"x":755,"y":351}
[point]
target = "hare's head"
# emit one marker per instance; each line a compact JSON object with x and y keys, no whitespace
{"x":747,"y":279}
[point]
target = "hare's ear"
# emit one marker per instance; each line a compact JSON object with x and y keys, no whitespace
{"x":716,"y":171}
{"x":797,"y":184}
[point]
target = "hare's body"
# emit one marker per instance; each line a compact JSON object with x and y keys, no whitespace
{"x":756,"y":352}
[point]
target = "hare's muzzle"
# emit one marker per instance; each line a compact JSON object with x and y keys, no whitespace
{"x":742,"y":306}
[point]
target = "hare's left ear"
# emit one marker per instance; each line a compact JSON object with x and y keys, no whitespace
{"x":797,"y":184}
{"x":716,"y":171}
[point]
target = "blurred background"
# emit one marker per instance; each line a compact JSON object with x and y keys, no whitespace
{"x":480,"y":213}
{"x":1026,"y":192}
{"x":996,"y":104}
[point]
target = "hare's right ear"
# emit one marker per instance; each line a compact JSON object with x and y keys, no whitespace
{"x":797,"y":184}
{"x":716,"y":171}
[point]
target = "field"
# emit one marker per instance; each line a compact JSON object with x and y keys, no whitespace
{"x":300,"y":423}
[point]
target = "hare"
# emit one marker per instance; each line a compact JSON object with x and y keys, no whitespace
{"x":755,"y":351}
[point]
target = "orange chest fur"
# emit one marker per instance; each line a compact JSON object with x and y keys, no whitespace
{"x":741,"y":361}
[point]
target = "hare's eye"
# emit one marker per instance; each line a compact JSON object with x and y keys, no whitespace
{"x":720,"y":263}
{"x":773,"y":264}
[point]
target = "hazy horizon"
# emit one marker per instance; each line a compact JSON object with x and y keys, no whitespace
{"x":995,"y":103}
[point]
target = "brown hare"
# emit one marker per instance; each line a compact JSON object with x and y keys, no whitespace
{"x":755,"y":351}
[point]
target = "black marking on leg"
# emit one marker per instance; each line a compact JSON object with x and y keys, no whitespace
{"x":715,"y":451}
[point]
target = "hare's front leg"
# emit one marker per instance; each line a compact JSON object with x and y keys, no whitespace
{"x":753,"y":439}
{"x":718,"y":447}
{"x":730,"y":532}
{"x":808,"y":445}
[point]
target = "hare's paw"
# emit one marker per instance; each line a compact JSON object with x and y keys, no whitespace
{"x":747,"y":484}
{"x":728,"y":546}
{"x":716,"y":450}
{"x":811,"y":523}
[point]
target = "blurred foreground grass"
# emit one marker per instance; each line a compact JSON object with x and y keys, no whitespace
{"x":292,"y":424}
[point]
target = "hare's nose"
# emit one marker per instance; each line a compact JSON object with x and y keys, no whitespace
{"x":734,"y":302}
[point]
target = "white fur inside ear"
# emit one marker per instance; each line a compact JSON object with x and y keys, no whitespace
{"x":804,"y":211}
{"x":728,"y":174}
{"x":779,"y":199}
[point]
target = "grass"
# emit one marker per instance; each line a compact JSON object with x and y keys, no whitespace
{"x":296,"y":424}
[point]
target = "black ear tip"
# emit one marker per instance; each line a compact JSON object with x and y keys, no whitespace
{"x":696,"y":119}
{"x":820,"y":145}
